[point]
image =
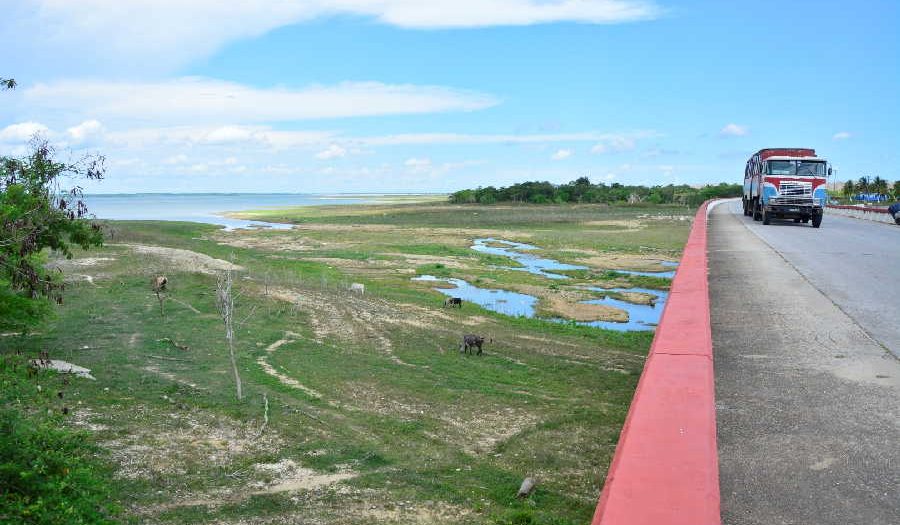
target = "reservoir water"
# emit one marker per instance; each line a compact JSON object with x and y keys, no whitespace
{"x":208,"y":207}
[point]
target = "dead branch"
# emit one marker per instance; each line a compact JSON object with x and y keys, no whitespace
{"x":225,"y":304}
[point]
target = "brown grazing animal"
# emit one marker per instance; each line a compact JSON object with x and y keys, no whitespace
{"x":159,"y":283}
{"x":453,"y":302}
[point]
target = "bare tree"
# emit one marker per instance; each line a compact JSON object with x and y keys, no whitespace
{"x":225,"y":304}
{"x":159,"y":284}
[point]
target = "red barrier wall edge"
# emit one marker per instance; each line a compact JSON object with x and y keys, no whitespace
{"x":858,"y":208}
{"x":666,"y":470}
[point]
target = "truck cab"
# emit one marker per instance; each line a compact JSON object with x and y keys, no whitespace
{"x":785,"y":183}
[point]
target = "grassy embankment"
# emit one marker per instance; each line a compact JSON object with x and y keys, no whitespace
{"x":373,"y":415}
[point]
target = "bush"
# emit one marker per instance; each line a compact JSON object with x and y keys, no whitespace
{"x":48,"y":474}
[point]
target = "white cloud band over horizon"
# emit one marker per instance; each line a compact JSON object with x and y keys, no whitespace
{"x":174,"y":33}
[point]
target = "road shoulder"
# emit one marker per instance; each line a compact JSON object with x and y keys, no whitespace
{"x":807,"y":402}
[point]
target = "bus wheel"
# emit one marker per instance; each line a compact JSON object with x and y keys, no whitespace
{"x":817,"y":221}
{"x":766,"y":217}
{"x":757,"y":213}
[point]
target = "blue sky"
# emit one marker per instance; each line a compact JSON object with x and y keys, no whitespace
{"x":404,"y":95}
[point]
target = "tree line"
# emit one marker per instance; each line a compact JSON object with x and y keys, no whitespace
{"x":870,"y":185}
{"x":582,"y":190}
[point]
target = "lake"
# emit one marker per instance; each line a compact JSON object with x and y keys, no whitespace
{"x":207,"y":207}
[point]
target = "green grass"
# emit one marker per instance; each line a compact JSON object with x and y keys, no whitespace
{"x":398,"y":405}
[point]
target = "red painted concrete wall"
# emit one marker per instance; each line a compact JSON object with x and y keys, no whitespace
{"x":666,"y":470}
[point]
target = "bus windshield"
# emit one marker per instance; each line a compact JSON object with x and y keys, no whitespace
{"x":801,"y":168}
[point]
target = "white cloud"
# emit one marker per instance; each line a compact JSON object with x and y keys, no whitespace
{"x":461,"y":138}
{"x":614,"y":145}
{"x":418,"y":165}
{"x":221,"y":135}
{"x":85,"y":132}
{"x":332,"y":152}
{"x":22,"y":132}
{"x":733,"y":130}
{"x":841,"y":135}
{"x":562,"y":154}
{"x":193,"y":100}
{"x":163,"y":35}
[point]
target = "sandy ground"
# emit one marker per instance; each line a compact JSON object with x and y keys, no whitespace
{"x":184,"y":260}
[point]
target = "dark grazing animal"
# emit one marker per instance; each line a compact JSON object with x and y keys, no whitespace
{"x":471,"y":342}
{"x":453,"y":302}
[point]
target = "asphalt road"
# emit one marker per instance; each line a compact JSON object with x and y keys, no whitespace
{"x":856,"y":263}
{"x":807,"y":395}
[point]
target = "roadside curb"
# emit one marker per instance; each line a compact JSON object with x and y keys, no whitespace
{"x":665,"y":469}
{"x":861,"y":212}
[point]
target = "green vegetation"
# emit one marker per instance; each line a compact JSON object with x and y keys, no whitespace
{"x":583,"y":191}
{"x":35,"y":216}
{"x":49,"y":474}
{"x":852,"y":188}
{"x":357,"y":408}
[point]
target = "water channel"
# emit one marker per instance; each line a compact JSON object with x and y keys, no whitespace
{"x":640,"y":316}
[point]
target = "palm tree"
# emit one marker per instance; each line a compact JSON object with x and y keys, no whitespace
{"x":897,"y":189}
{"x":879,"y":185}
{"x":863,"y":184}
{"x":849,"y":189}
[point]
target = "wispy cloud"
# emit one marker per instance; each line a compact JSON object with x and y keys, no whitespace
{"x":841,"y":135}
{"x":193,"y":100}
{"x":733,"y":130}
{"x":331,"y":152}
{"x":561,"y":154}
{"x":163,"y":35}
{"x":464,"y":138}
{"x":613,"y":145}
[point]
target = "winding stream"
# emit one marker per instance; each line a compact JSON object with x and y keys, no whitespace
{"x":640,"y":316}
{"x":518,"y":251}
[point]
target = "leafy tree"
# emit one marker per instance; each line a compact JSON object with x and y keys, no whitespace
{"x":896,"y":189}
{"x":849,"y":188}
{"x":879,"y":185}
{"x":582,"y":190}
{"x":37,"y":213}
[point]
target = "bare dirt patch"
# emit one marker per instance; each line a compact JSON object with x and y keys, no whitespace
{"x":177,"y":443}
{"x":560,"y":306}
{"x":288,"y":241}
{"x":347,"y":317}
{"x":482,"y":432}
{"x":617,"y":223}
{"x":638,"y":298}
{"x":184,"y":260}
{"x":288,"y":476}
{"x":640,"y":263}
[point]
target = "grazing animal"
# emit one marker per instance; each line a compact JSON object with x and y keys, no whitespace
{"x":453,"y":302}
{"x":358,"y":288}
{"x":471,"y":342}
{"x":159,"y":283}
